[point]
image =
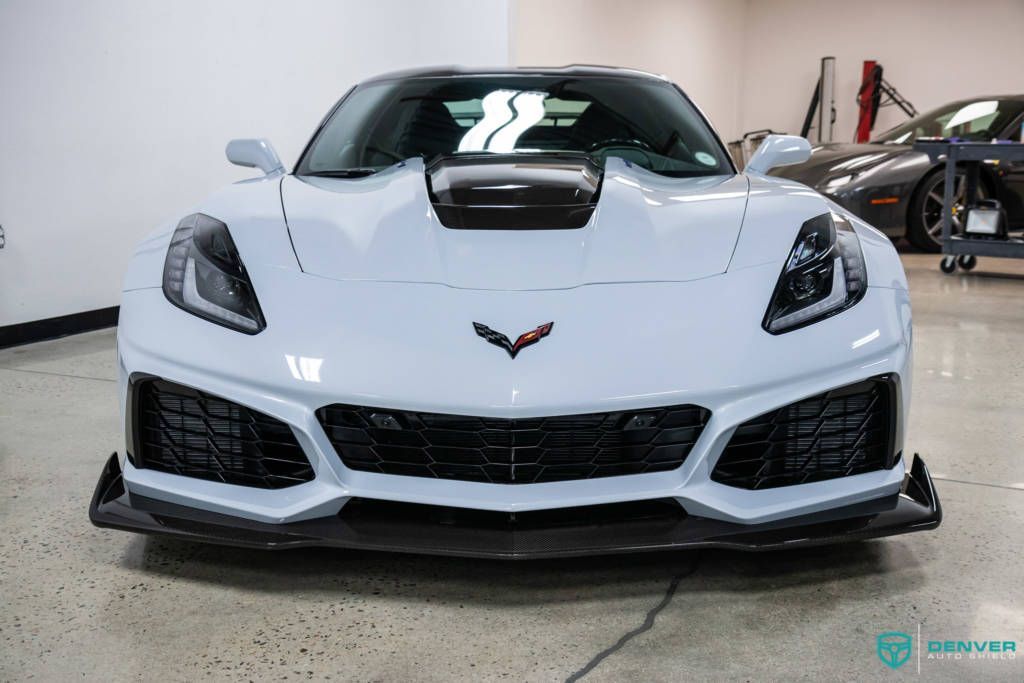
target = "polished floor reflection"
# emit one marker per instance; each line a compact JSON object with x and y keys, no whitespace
{"x":77,"y":602}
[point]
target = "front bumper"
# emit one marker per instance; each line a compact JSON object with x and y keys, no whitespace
{"x":427,"y":361}
{"x":915,"y":508}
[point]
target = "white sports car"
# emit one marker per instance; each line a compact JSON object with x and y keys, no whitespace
{"x":516,"y":313}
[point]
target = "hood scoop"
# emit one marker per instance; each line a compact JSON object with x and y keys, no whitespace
{"x":514,"y":191}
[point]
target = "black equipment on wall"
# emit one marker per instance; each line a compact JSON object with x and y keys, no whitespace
{"x":822,"y":102}
{"x":873,"y":89}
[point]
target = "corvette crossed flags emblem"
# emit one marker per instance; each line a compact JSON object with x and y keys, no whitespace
{"x":524,"y":340}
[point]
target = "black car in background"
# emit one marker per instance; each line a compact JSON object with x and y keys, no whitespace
{"x":898,"y":190}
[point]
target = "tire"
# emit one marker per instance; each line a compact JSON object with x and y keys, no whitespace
{"x":924,"y":224}
{"x":948,"y":265}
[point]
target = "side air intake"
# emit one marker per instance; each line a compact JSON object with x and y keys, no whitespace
{"x":180,"y":430}
{"x":843,"y":432}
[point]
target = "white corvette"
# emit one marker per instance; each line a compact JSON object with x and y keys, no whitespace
{"x":516,"y":313}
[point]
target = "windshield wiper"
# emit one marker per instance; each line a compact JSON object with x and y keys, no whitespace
{"x":343,"y":173}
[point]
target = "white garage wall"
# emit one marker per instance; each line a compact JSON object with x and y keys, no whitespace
{"x":696,"y":43}
{"x":933,"y":51}
{"x":115,"y":114}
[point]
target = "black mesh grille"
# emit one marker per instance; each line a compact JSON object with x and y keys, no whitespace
{"x":842,"y":432}
{"x":184,"y":431}
{"x":512,"y":451}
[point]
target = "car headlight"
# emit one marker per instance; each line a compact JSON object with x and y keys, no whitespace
{"x":823,"y":275}
{"x":204,"y":275}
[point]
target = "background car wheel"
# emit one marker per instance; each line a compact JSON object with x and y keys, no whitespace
{"x":924,"y":223}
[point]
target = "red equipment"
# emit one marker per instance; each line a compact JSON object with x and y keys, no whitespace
{"x":868,"y":100}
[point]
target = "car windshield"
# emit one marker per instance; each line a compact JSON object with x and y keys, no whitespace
{"x":980,"y":120}
{"x":647,"y":122}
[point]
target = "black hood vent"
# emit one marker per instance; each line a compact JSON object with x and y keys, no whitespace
{"x":514,"y":191}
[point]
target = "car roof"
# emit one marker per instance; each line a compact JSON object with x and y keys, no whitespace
{"x":578,"y":70}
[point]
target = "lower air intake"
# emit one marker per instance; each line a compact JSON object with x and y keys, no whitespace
{"x":512,"y":451}
{"x":183,"y":431}
{"x":846,"y":431}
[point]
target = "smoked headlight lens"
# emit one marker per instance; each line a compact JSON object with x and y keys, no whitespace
{"x":204,"y":275}
{"x":823,"y":275}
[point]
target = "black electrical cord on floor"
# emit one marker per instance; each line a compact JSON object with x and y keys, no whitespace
{"x":646,"y":626}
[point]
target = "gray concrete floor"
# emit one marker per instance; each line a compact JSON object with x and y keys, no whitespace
{"x":80,"y":602}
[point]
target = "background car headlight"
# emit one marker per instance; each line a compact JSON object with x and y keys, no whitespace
{"x":823,"y":275}
{"x":204,"y":275}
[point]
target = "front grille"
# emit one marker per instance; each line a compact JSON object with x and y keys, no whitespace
{"x":512,"y":451}
{"x":188,"y":432}
{"x":846,"y":431}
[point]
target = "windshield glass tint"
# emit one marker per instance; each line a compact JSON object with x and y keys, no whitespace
{"x":981,"y":120}
{"x":646,"y":122}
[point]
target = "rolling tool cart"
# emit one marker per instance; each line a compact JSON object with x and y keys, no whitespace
{"x":984,"y":232}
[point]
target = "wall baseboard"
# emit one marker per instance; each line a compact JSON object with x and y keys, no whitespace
{"x":61,"y":326}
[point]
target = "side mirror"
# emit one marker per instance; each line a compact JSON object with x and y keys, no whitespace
{"x":254,"y":153}
{"x":779,"y":150}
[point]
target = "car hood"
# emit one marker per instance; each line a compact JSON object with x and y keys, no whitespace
{"x":643,"y":228}
{"x":836,"y":159}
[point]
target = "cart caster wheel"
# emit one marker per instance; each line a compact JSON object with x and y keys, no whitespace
{"x":948,"y":264}
{"x":967,"y":261}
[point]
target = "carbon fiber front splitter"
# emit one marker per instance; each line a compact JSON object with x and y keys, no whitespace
{"x":915,"y":508}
